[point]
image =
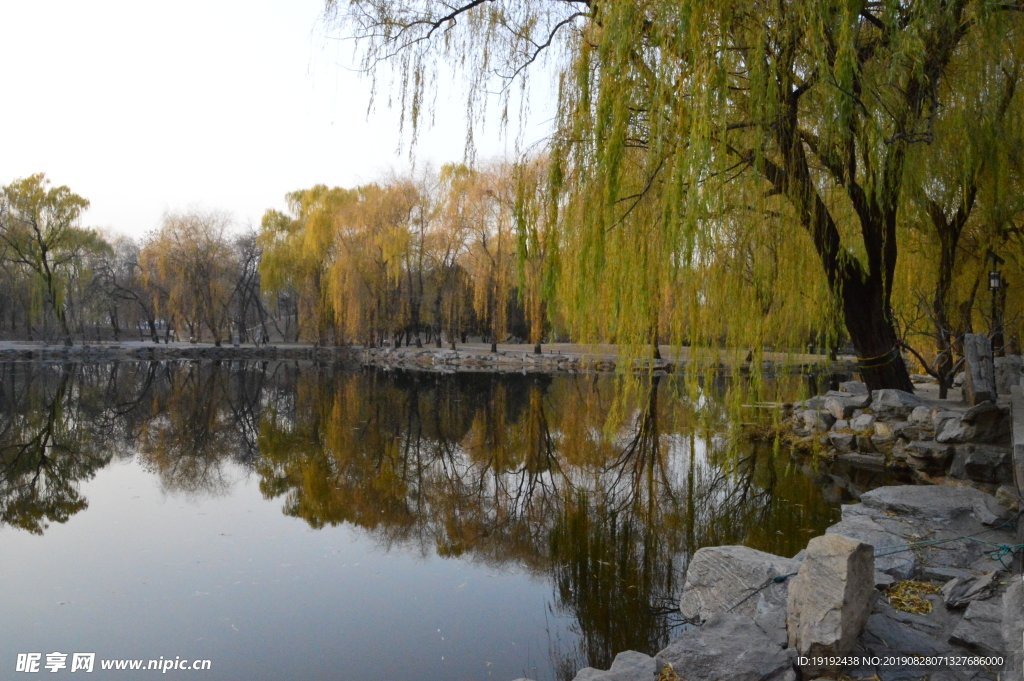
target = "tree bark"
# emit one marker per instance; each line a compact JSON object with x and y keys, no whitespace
{"x":874,"y":338}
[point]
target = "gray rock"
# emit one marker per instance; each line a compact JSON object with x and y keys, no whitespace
{"x":830,"y":598}
{"x":954,"y":430}
{"x":940,"y":573}
{"x":1008,"y":372}
{"x":980,"y":382}
{"x":885,"y":634}
{"x":866,"y":443}
{"x":1008,"y":496}
{"x":883,"y":581}
{"x":627,"y":666}
{"x":1013,"y":629}
{"x":905,"y":430}
{"x":988,"y":423}
{"x":980,"y":629}
{"x":862,"y":423}
{"x":844,"y":442}
{"x":931,"y":457}
{"x":719,"y":577}
{"x":983,"y":463}
{"x":882,"y":445}
{"x":816,"y":403}
{"x":854,"y":388}
{"x":891,"y":404}
{"x":772,"y":621}
{"x":818,"y":421}
{"x":935,"y":502}
{"x":839,"y":406}
{"x":939,"y":418}
{"x":841,"y":424}
{"x":960,"y":591}
{"x":901,"y":566}
{"x":729,"y":647}
{"x":920,"y":415}
{"x":884,"y":430}
{"x":870,"y":462}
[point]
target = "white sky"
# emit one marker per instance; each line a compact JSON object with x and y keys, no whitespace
{"x":144,"y":107}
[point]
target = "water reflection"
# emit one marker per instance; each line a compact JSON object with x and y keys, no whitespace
{"x":509,"y":470}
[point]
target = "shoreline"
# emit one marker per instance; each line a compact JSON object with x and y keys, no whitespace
{"x":562,"y":358}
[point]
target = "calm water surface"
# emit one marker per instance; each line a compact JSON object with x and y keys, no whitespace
{"x":289,"y":521}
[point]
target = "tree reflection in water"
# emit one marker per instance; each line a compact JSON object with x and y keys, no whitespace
{"x":505,"y":470}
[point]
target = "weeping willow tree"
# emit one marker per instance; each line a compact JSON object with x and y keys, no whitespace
{"x":963,"y":199}
{"x":765,"y":142}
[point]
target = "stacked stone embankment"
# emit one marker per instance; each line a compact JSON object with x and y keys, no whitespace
{"x":934,"y":441}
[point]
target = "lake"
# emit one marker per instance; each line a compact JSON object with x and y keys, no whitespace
{"x":296,"y":521}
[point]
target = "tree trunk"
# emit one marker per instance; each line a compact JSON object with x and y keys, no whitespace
{"x":873,"y":336}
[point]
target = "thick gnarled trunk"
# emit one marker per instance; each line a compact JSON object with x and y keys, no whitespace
{"x":873,"y":336}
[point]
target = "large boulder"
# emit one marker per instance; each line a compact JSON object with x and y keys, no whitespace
{"x":894,"y":405}
{"x":627,"y":666}
{"x":729,"y":647}
{"x":988,"y":423}
{"x":983,"y":463}
{"x":933,"y":502}
{"x":979,"y":381}
{"x":830,"y":598}
{"x":901,"y":565}
{"x":928,"y":456}
{"x":980,"y":628}
{"x":736,"y":579}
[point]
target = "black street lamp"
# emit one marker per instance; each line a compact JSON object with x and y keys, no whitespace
{"x":995,"y":283}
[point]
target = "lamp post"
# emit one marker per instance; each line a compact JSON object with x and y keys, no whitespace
{"x":995,"y":283}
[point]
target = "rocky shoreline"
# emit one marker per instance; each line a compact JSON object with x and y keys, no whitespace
{"x":933,"y":441}
{"x":914,"y":582}
{"x":467,"y":358}
{"x":760,"y":617}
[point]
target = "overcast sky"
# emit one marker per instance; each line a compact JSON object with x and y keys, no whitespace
{"x":144,"y":107}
